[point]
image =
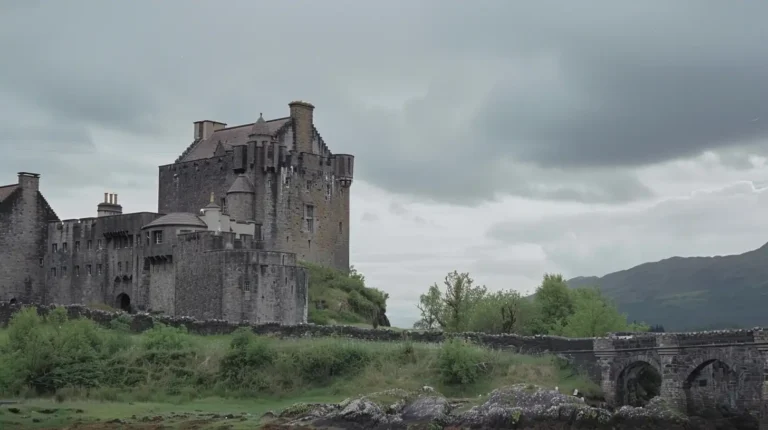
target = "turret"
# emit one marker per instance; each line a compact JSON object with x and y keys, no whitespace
{"x":109,"y":206}
{"x":343,"y":169}
{"x":240,"y":199}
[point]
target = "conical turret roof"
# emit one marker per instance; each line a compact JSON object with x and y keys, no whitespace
{"x":260,"y":127}
{"x":241,"y":185}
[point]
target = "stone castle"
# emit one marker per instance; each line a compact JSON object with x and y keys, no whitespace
{"x":236,"y":213}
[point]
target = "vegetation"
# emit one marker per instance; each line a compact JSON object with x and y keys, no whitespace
{"x":340,"y":298}
{"x":554,"y":309}
{"x":68,"y":360}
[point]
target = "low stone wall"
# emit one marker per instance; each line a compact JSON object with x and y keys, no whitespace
{"x":577,"y":351}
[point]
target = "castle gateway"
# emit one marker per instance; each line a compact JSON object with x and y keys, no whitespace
{"x":236,"y":213}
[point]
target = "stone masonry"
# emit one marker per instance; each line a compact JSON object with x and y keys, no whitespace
{"x":237,"y":212}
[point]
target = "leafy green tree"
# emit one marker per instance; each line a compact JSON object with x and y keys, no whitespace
{"x":554,"y":302}
{"x":450,"y":310}
{"x":502,"y":312}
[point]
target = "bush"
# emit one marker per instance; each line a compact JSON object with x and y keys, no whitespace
{"x":459,"y":362}
{"x":166,"y":338}
{"x":61,"y":353}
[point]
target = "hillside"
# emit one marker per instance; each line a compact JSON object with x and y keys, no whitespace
{"x":692,"y":293}
{"x":340,"y":298}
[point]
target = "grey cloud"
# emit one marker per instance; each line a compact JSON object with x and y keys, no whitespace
{"x":459,"y":104}
{"x":369,"y":217}
{"x":720,"y":221}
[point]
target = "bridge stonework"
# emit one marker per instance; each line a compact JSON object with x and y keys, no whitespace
{"x":697,"y":373}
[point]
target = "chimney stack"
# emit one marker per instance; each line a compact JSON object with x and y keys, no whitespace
{"x":204,"y":129}
{"x":303,"y":125}
{"x":29,"y":181}
{"x":109,"y":206}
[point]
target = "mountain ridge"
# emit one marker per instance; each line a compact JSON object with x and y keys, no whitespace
{"x":691,"y":293}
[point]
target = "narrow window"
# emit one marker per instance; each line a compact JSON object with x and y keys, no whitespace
{"x":63,"y":270}
{"x":158,"y":239}
{"x":309,"y":244}
{"x":263,"y":270}
{"x":54,"y":247}
{"x":40,"y":262}
{"x":88,"y":270}
{"x":309,"y":185}
{"x":328,"y":192}
{"x":64,"y":246}
{"x":89,"y":245}
{"x":247,"y":286}
{"x":98,"y":269}
{"x":130,"y":241}
{"x":341,"y":227}
{"x":147,"y":237}
{"x":53,"y":272}
{"x":77,"y":245}
{"x":98,"y":244}
{"x":309,"y":217}
{"x":119,"y":267}
{"x":77,"y":270}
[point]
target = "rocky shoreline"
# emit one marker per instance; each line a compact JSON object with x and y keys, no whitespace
{"x":516,"y":407}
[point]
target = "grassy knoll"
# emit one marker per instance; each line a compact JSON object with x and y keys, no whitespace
{"x":64,"y":371}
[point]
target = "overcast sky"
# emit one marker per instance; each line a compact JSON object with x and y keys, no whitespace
{"x":503,"y":138}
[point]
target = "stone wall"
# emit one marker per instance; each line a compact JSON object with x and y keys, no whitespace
{"x":24,"y":216}
{"x":577,"y":351}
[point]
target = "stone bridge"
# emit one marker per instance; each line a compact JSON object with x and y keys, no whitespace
{"x":698,"y":373}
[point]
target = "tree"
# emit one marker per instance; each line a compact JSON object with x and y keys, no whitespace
{"x":431,"y":307}
{"x":554,"y":302}
{"x":449,"y":310}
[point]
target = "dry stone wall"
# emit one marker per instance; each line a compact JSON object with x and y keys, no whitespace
{"x":577,"y":351}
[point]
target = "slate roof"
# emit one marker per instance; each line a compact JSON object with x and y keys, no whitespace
{"x":241,"y":185}
{"x":6,"y":191}
{"x":229,"y":137}
{"x":177,"y":218}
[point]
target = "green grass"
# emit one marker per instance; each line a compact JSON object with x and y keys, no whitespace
{"x":108,"y":374}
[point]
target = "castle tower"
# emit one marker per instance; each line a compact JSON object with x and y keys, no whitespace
{"x":241,"y":199}
{"x":109,"y":206}
{"x":260,"y":132}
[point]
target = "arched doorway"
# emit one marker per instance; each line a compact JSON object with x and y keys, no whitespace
{"x":637,"y":384}
{"x":711,"y":390}
{"x":123,"y":302}
{"x":13,"y":301}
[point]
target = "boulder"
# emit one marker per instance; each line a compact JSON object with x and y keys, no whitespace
{"x":521,"y":406}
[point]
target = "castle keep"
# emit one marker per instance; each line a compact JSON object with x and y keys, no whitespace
{"x":236,"y":213}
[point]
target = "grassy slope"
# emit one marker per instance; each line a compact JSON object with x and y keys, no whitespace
{"x":692,"y":293}
{"x":395,"y":365}
{"x":337,"y":298}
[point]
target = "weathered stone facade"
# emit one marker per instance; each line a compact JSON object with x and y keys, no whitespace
{"x":300,"y":189}
{"x":237,"y":212}
{"x":24,"y":217}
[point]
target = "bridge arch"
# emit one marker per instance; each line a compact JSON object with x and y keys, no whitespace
{"x":637,"y":380}
{"x":712,"y":388}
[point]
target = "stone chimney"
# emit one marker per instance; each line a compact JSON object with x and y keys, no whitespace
{"x":204,"y":129}
{"x":301,"y":114}
{"x":109,"y":206}
{"x":29,"y":181}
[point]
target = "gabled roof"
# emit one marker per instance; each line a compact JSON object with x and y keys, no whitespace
{"x":6,"y":190}
{"x":229,"y":137}
{"x":177,"y":219}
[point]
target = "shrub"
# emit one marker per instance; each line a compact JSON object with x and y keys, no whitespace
{"x":166,"y":338}
{"x":459,"y":362}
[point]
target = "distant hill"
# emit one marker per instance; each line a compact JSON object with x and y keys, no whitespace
{"x":693,"y":293}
